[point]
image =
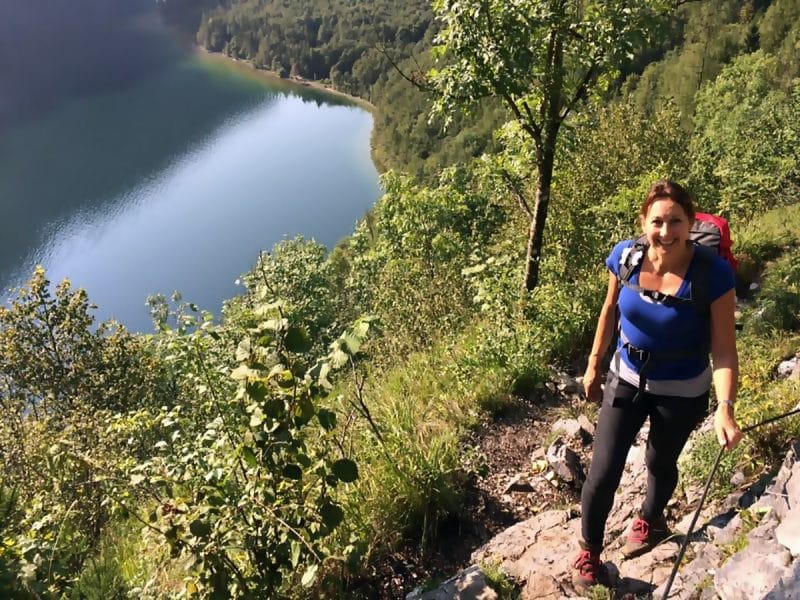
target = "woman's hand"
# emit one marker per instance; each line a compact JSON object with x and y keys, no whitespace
{"x":591,"y":385}
{"x":606,"y":323}
{"x":728,"y":432}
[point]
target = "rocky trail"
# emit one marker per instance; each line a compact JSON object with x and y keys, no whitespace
{"x":734,"y":553}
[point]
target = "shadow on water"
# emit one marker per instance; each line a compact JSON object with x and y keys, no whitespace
{"x":101,"y":98}
{"x":53,"y":50}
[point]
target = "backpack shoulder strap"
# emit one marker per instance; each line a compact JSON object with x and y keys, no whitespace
{"x":631,"y":259}
{"x":701,"y":295}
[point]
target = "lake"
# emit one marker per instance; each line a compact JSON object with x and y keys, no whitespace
{"x":175,"y":180}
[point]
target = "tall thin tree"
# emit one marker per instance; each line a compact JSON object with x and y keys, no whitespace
{"x":541,"y":58}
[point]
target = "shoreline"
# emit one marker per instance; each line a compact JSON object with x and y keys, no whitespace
{"x":297,"y":82}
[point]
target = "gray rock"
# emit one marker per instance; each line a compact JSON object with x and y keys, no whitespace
{"x":470,"y":584}
{"x":566,"y":383}
{"x":753,"y":572}
{"x":737,"y":479}
{"x":586,"y":424}
{"x":570,"y":427}
{"x":566,"y":463}
{"x":789,"y":586}
{"x":793,"y":487}
{"x":518,"y":483}
{"x":573,"y":430}
{"x":787,"y":367}
{"x":788,"y":532}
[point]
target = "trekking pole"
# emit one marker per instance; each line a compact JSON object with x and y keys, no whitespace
{"x":688,"y":536}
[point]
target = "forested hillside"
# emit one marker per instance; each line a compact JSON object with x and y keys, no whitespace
{"x":354,"y":46}
{"x":292,"y":445}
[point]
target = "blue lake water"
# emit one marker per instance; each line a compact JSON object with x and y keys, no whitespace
{"x":175,"y":181}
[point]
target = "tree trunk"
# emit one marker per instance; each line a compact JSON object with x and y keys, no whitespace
{"x":536,"y":229}
{"x":546,"y":154}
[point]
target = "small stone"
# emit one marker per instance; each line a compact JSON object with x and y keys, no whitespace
{"x":518,"y":483}
{"x":586,"y":424}
{"x":573,"y":430}
{"x":795,"y":374}
{"x":737,"y":479}
{"x":566,"y":463}
{"x":787,"y":367}
{"x":566,"y":383}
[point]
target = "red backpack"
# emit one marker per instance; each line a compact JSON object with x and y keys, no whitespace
{"x":715,"y":232}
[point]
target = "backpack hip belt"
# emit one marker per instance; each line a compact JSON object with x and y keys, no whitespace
{"x":650,"y":359}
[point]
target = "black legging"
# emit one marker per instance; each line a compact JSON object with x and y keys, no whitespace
{"x":672,"y":420}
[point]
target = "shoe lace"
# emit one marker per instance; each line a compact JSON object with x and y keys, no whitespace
{"x":640,"y":530}
{"x":588,"y":564}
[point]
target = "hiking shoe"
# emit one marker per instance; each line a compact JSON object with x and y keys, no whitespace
{"x":644,"y":536}
{"x":589,"y":570}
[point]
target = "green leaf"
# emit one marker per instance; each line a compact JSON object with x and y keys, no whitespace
{"x":310,"y":576}
{"x":304,"y":410}
{"x":249,"y":456}
{"x":295,"y":553}
{"x":319,"y":373}
{"x":243,"y":350}
{"x":293,"y":472}
{"x":285,"y":379}
{"x":327,"y":419}
{"x":346,"y":470}
{"x":257,"y":391}
{"x":199,"y":528}
{"x":243,"y":372}
{"x":338,"y":358}
{"x":351,"y":343}
{"x":332,"y":515}
{"x":274,"y":408}
{"x":257,"y":418}
{"x":297,"y":340}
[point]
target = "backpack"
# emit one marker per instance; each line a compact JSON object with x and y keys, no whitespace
{"x":700,"y":297}
{"x":711,"y":235}
{"x":715,"y":232}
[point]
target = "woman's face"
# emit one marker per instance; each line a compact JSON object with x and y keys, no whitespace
{"x":666,"y":226}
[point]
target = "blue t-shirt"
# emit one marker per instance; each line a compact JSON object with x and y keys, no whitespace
{"x":677,"y":327}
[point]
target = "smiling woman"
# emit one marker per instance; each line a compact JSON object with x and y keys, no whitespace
{"x":660,"y":370}
{"x":176,"y":181}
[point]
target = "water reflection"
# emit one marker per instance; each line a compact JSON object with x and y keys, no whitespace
{"x":177,"y":183}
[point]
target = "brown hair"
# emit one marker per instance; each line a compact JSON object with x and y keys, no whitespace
{"x":667,"y":189}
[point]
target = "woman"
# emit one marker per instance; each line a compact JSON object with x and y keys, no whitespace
{"x":660,"y":369}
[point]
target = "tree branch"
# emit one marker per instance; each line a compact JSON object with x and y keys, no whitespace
{"x":418,"y":80}
{"x":580,"y":91}
{"x":512,"y":185}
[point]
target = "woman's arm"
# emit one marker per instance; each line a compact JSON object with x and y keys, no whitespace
{"x":725,"y":362}
{"x":602,"y":338}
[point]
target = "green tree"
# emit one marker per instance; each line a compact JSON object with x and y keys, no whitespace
{"x":744,"y":148}
{"x":542,"y":58}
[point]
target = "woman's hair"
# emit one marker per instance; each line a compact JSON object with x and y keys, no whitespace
{"x":667,"y":189}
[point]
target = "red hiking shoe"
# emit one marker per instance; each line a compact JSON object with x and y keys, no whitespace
{"x":589,"y":570}
{"x":644,"y":536}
